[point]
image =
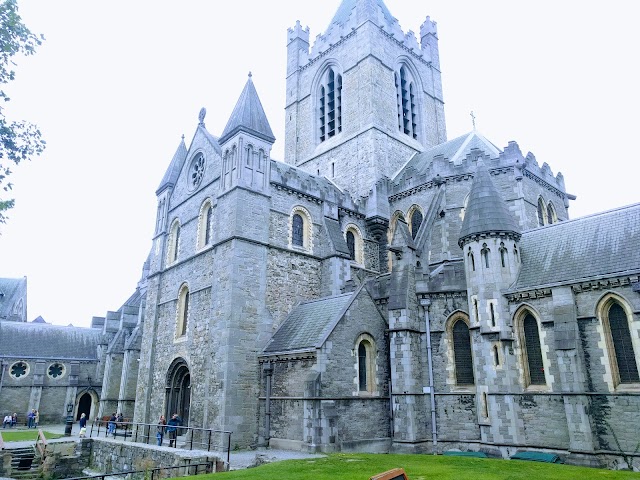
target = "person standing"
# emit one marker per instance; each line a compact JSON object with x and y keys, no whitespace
{"x":36,"y":418}
{"x":172,"y":430}
{"x":162,"y":422}
{"x":112,"y":423}
{"x":30,"y":417}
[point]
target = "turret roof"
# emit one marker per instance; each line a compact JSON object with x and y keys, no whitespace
{"x":248,"y":115}
{"x":486,"y":211}
{"x":171,"y":175}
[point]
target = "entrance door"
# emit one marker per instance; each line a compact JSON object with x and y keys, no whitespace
{"x":178,"y":394}
{"x":84,"y":406}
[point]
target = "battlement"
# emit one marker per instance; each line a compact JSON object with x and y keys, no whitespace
{"x":429,"y":27}
{"x":297,"y":32}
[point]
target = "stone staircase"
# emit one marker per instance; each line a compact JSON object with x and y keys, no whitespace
{"x":25,"y":463}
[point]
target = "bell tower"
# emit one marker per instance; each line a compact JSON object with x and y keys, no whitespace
{"x":363,"y":98}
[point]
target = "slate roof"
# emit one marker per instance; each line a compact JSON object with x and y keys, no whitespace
{"x":248,"y":115}
{"x":10,"y":291}
{"x":40,"y":340}
{"x":335,"y":236}
{"x":454,"y":151}
{"x":173,"y":172}
{"x":308,"y":324}
{"x":486,"y":211}
{"x":597,"y":246}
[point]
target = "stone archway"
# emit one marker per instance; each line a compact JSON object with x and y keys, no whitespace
{"x":84,"y":405}
{"x":178,"y":391}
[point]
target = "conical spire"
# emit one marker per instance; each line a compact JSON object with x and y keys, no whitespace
{"x":248,"y":115}
{"x":364,"y":10}
{"x":172,"y":173}
{"x":486,"y":211}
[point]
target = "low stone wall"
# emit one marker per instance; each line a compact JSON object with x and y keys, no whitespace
{"x":108,"y":456}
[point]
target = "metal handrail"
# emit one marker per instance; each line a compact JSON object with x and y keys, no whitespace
{"x":141,"y":433}
{"x":208,"y":469}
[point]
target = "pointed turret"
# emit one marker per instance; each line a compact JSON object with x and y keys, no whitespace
{"x":171,"y":175}
{"x":487,"y":212}
{"x":248,"y":116}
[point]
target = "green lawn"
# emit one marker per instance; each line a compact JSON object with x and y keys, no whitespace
{"x":417,"y":467}
{"x":25,"y":435}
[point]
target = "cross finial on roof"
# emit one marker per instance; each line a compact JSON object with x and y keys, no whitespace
{"x":473,"y":119}
{"x":250,"y":75}
{"x":183,"y":137}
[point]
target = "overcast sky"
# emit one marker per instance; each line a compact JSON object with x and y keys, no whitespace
{"x":117,"y":83}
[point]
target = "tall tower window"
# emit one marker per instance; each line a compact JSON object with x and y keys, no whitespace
{"x":182,"y":311}
{"x":407,"y":102}
{"x":542,"y":212}
{"x":551,"y":214}
{"x":330,"y":104}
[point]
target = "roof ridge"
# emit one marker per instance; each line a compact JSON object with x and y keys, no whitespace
{"x":584,"y":217}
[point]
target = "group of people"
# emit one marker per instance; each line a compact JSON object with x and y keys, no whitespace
{"x":171,"y":428}
{"x":33,"y":419}
{"x":113,"y":421}
{"x":10,"y":420}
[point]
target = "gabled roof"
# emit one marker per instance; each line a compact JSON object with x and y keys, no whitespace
{"x":42,"y":340}
{"x":486,"y":211}
{"x":248,"y":115}
{"x":11,"y":291}
{"x":364,"y":10}
{"x":173,"y":172}
{"x":454,"y":151}
{"x":309,"y":323}
{"x":598,"y":246}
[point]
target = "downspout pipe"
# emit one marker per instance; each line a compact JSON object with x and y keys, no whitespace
{"x":427,"y":322}
{"x":268,"y":370}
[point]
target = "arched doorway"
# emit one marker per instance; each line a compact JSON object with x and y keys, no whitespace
{"x":178,"y":394}
{"x":84,"y":406}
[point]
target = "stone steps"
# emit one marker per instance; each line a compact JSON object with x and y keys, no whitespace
{"x":25,"y":464}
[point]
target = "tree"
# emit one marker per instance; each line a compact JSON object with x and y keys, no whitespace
{"x":19,"y":140}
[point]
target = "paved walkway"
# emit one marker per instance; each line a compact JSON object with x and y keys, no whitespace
{"x":239,"y":459}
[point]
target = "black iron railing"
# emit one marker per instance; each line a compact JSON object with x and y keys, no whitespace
{"x":156,"y":473}
{"x":191,"y":437}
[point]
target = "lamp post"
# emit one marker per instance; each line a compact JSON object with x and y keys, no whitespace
{"x":69,"y":424}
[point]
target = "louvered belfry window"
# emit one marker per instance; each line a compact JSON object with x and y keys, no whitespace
{"x":407,"y":103}
{"x":330,"y":105}
{"x":462,"y":353}
{"x":622,"y":345}
{"x":534,"y":353}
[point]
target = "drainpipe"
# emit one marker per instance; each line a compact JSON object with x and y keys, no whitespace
{"x":425,"y":304}
{"x":3,"y":366}
{"x":268,"y":370}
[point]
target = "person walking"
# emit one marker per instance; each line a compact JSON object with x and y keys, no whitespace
{"x":162,"y":422}
{"x":172,"y":430}
{"x":83,"y":425}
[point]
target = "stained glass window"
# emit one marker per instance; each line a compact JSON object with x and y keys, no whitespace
{"x":534,"y":353}
{"x":622,"y":345}
{"x":462,"y":353}
{"x":297,"y":234}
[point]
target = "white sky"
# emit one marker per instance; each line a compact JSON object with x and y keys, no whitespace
{"x":118,"y":82}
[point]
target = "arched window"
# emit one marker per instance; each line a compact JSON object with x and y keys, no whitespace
{"x":174,"y":242}
{"x":351,"y":245}
{"x":366,"y":363}
{"x":532,"y":352}
{"x":503,"y":255}
{"x":204,"y":224}
{"x":551,"y":213}
{"x":249,"y":155}
{"x":618,"y":333}
{"x":183,"y":312}
{"x":416,"y":221}
{"x":463,"y":358}
{"x":300,"y":229}
{"x":485,"y":255}
{"x":297,"y":234}
{"x":472,"y":261}
{"x":406,"y":92}
{"x":355,"y":244}
{"x":542,"y":212}
{"x":330,"y":104}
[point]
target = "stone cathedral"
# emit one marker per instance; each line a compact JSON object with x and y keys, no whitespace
{"x":381,"y":287}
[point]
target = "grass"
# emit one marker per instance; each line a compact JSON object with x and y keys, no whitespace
{"x":25,"y":435}
{"x":417,"y":467}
